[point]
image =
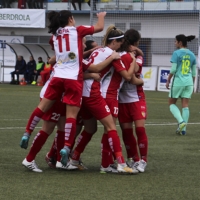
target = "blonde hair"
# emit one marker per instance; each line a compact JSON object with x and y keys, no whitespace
{"x":111,"y":32}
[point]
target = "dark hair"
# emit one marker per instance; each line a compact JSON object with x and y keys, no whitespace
{"x":112,"y":32}
{"x":131,"y":36}
{"x":88,"y":44}
{"x":58,"y":19}
{"x":184,"y":39}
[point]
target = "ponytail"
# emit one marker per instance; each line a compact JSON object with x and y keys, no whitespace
{"x":184,"y":39}
{"x":112,"y":33}
{"x":58,"y":19}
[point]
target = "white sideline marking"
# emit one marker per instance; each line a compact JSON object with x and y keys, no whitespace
{"x":147,"y":124}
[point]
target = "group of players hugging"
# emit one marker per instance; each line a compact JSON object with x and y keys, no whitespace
{"x":102,"y":84}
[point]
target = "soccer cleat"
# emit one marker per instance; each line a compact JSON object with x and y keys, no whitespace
{"x":109,"y":169}
{"x":78,"y":163}
{"x":50,"y":161}
{"x":33,"y":83}
{"x":114,"y":165}
{"x":181,"y":126}
{"x":130,"y":162}
{"x":31,"y":165}
{"x":24,"y":141}
{"x":183,"y":132}
{"x":69,"y":166}
{"x":136,"y":164}
{"x":142,"y":165}
{"x":123,"y":168}
{"x":64,"y":155}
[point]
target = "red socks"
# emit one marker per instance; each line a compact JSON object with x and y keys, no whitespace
{"x":33,"y":120}
{"x":60,"y":143}
{"x":53,"y":150}
{"x":37,"y":144}
{"x":82,"y":142}
{"x":142,"y":142}
{"x":106,"y":153}
{"x":70,"y":131}
{"x":115,"y":145}
{"x":130,"y":144}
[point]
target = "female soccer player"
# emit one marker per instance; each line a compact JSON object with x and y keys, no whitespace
{"x":56,"y":116}
{"x":95,"y":107}
{"x":183,"y":71}
{"x":87,"y":75}
{"x":132,"y":108}
{"x":68,"y":77}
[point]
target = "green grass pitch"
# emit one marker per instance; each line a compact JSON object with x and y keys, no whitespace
{"x":172,"y":173}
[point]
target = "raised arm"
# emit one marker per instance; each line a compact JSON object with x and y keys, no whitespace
{"x":99,"y":26}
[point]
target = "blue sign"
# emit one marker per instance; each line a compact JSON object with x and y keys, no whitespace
{"x":164,"y":75}
{"x":2,"y":44}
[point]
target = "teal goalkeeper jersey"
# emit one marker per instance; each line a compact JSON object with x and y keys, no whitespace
{"x":185,"y":60}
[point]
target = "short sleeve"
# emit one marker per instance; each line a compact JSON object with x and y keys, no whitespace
{"x":85,"y":30}
{"x":174,"y":57}
{"x":118,"y":65}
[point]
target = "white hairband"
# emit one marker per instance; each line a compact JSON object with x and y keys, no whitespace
{"x":112,"y":38}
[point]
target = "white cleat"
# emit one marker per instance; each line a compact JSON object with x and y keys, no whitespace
{"x":142,"y":165}
{"x":78,"y":163}
{"x":31,"y":165}
{"x":123,"y":168}
{"x":130,"y":162}
{"x":136,"y":164}
{"x":109,"y":169}
{"x":69,"y":166}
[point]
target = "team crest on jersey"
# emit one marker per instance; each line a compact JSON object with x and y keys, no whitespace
{"x":72,"y":55}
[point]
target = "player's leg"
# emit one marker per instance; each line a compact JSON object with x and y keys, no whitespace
{"x":186,"y":95}
{"x":107,"y":155}
{"x":44,"y":106}
{"x":72,"y":98}
{"x":174,"y":94}
{"x":114,"y":143}
{"x":56,"y":114}
{"x":90,"y":127}
{"x":130,"y":143}
{"x":126,"y":118}
{"x":142,"y":141}
{"x":54,"y":91}
{"x":38,"y":142}
{"x":185,"y":113}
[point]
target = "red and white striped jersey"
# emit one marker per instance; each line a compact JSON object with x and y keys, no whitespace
{"x":131,"y":93}
{"x":67,"y":44}
{"x":92,"y":87}
{"x":113,"y":81}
